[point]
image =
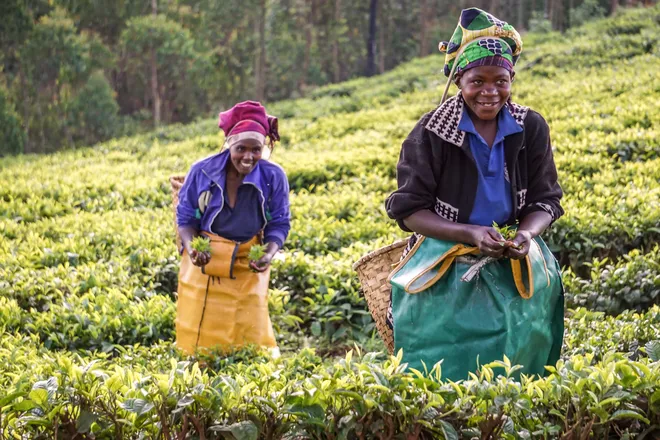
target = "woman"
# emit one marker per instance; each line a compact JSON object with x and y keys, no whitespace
{"x":237,"y":200}
{"x":477,"y":159}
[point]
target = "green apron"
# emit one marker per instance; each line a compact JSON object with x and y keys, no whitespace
{"x":512,"y":308}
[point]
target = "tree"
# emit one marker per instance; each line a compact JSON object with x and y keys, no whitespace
{"x":423,"y":20}
{"x":153,"y":65}
{"x":371,"y":39}
{"x":260,"y":59}
{"x":94,"y":111}
{"x":156,"y":38}
{"x":308,"y":26}
{"x":337,"y":31}
{"x":18,"y":19}
{"x":12,"y":135}
{"x":54,"y":62}
{"x":106,"y":18}
{"x":226,"y":40}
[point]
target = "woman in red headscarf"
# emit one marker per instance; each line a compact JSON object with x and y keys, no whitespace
{"x":236,"y":199}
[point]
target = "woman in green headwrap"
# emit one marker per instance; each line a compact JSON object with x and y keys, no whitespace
{"x":463,"y":292}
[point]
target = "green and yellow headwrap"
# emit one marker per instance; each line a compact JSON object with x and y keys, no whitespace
{"x":481,"y":40}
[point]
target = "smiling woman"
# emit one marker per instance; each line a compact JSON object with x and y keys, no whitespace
{"x":476,"y":160}
{"x":236,"y":200}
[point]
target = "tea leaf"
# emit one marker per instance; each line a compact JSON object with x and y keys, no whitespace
{"x":201,"y":244}
{"x":256,"y":252}
{"x":653,"y":350}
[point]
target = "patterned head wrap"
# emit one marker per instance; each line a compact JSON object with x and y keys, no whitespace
{"x":481,"y":40}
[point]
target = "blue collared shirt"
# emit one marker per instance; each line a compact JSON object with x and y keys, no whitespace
{"x":493,"y":201}
{"x":243,"y":221}
{"x":202,"y":196}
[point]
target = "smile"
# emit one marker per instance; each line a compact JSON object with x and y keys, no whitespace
{"x":488,"y":104}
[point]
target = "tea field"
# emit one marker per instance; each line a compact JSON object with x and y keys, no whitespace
{"x":88,"y":271}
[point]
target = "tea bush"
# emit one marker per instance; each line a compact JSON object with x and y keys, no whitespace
{"x":356,"y":397}
{"x":632,"y":283}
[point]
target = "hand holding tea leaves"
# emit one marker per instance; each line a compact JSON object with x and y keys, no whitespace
{"x":259,"y":258}
{"x":509,"y":233}
{"x":488,"y":240}
{"x":516,"y":241}
{"x":200,"y":253}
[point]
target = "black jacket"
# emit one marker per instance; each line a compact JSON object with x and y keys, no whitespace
{"x":437,"y":171}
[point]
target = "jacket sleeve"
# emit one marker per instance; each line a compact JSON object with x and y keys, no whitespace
{"x":415,"y":177}
{"x":187,"y":211}
{"x":278,"y":226}
{"x":543,"y":192}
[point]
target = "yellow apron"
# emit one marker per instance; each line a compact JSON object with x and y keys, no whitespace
{"x":224,"y":304}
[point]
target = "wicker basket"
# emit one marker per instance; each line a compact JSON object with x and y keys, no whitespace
{"x":373,"y":270}
{"x":177,"y":183}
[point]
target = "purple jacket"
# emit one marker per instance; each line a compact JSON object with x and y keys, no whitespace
{"x":206,"y":181}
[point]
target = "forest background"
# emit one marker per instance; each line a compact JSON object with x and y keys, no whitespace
{"x":75,"y":72}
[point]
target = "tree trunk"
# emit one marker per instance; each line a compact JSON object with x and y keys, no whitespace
{"x":614,"y":6}
{"x":309,"y":27}
{"x":520,"y":15}
{"x":155,"y":90}
{"x":25,"y":103}
{"x":336,"y":67}
{"x":371,"y":39}
{"x":260,"y":70}
{"x":558,"y":21}
{"x":380,"y":48}
{"x":423,"y":39}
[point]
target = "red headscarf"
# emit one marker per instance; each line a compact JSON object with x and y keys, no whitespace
{"x":248,"y":120}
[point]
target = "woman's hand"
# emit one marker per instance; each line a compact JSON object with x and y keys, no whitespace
{"x":518,"y":248}
{"x":199,"y":258}
{"x":488,"y":240}
{"x":187,"y":233}
{"x":532,"y":225}
{"x":262,"y":264}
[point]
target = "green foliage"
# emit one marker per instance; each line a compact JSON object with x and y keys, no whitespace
{"x":107,"y":18}
{"x":207,"y":50}
{"x":596,"y":334}
{"x":539,"y":24}
{"x":56,"y":63}
{"x":94,"y":112}
{"x":631,"y":283}
{"x":16,"y":24}
{"x":54,"y":52}
{"x":12,"y":136}
{"x":358,"y":395}
{"x":174,"y":54}
{"x":587,"y":10}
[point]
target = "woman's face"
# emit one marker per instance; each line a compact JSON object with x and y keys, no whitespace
{"x":245,"y":155}
{"x":485,"y":89}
